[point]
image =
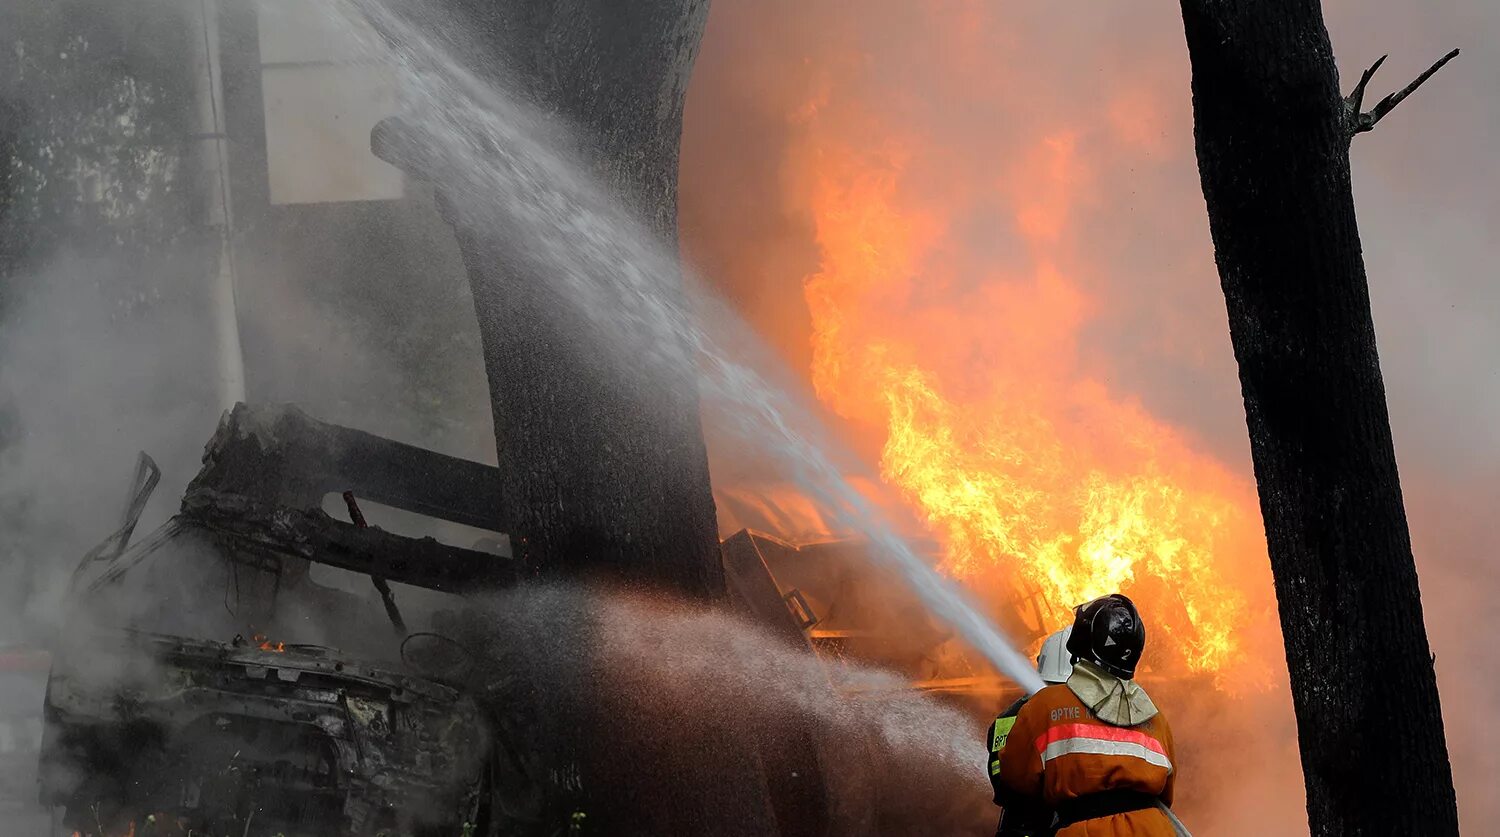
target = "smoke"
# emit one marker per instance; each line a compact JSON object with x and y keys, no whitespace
{"x":359,"y":313}
{"x":106,"y":327}
{"x":99,"y":365}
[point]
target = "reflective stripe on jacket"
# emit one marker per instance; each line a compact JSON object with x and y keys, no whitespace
{"x":1058,"y":750}
{"x":1022,"y":817}
{"x":997,"y":736}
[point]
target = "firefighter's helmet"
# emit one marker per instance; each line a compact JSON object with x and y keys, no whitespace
{"x":1055,"y":664}
{"x":1108,"y":632}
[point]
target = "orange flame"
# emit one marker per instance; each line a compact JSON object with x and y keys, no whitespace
{"x":265,"y":644}
{"x":964,"y":312}
{"x":1017,"y":462}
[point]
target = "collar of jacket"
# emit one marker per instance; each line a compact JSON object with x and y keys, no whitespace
{"x":1122,"y":703}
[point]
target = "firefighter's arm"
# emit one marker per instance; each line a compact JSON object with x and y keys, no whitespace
{"x":1170,"y":788}
{"x":1020,"y":763}
{"x":994,"y":739}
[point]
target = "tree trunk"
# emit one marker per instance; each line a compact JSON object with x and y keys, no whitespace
{"x":1273,"y":153}
{"x":599,"y":479}
{"x":604,"y":467}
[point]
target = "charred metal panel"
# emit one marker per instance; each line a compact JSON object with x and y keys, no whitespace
{"x":753,"y":589}
{"x":151,"y":707}
{"x":266,"y":471}
{"x":794,"y":777}
{"x":313,"y":535}
{"x":310,"y":743}
{"x":280,"y":456}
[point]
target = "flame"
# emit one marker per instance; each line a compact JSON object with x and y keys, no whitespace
{"x":159,"y":823}
{"x":958,"y":305}
{"x":265,"y":644}
{"x":1016,"y":462}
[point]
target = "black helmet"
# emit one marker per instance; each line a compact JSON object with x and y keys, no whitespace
{"x":1108,"y":633}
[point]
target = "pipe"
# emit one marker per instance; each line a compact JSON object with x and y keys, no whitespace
{"x":1176,"y":823}
{"x":213,"y":158}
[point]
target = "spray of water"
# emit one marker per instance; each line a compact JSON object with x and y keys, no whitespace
{"x":501,"y":168}
{"x":706,"y":686}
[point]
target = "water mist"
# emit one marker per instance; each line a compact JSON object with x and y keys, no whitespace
{"x":500,"y":166}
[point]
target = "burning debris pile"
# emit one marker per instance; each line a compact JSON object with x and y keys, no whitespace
{"x":300,"y":741}
{"x":206,"y":672}
{"x":210,"y":678}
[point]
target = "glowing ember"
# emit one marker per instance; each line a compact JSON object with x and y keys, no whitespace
{"x":159,"y":823}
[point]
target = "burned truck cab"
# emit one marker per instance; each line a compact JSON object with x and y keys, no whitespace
{"x":259,"y":666}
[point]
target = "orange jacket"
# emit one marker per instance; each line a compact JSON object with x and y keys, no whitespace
{"x":1058,"y":751}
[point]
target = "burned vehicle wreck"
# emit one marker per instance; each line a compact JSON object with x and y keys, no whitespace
{"x":266,"y":663}
{"x":250,"y":662}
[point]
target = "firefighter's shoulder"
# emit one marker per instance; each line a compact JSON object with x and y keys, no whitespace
{"x":1055,"y":704}
{"x":1014,"y":709}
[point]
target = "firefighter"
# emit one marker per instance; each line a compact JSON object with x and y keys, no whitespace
{"x":1095,"y":750}
{"x":1022,"y":818}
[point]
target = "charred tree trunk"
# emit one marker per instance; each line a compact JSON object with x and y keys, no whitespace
{"x":603,"y":476}
{"x":1273,"y":139}
{"x":604,"y":469}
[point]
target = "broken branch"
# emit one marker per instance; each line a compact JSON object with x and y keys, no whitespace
{"x":1357,"y":98}
{"x":1357,"y":122}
